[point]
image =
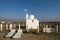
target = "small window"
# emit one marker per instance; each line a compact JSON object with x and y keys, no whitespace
{"x":32,"y":20}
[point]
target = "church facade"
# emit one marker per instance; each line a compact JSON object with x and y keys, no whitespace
{"x":32,"y":23}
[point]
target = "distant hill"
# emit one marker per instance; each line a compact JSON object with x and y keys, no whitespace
{"x":11,"y":19}
{"x":23,"y":20}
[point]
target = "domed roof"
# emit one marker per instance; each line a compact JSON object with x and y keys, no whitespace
{"x":31,"y":16}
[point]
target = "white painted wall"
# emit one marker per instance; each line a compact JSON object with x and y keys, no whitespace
{"x":6,"y":26}
{"x":1,"y":26}
{"x":10,"y":26}
{"x":50,"y":29}
{"x":19,"y":26}
{"x":33,"y":25}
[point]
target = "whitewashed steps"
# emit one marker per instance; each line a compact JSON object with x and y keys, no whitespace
{"x":18,"y":34}
{"x":11,"y":33}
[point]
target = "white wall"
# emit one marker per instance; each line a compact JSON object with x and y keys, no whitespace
{"x":33,"y":25}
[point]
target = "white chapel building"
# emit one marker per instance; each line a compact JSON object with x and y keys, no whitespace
{"x":31,"y":23}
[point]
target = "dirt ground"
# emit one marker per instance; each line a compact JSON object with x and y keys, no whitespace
{"x":33,"y":36}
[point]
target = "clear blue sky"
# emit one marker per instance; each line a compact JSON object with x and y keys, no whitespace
{"x":42,"y":9}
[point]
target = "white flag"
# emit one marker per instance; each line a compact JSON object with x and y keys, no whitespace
{"x":25,"y":9}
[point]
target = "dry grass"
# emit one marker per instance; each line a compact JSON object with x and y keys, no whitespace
{"x":32,"y":36}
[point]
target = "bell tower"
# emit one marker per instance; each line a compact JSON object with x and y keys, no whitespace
{"x":26,"y":13}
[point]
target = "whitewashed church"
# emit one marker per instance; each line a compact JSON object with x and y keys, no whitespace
{"x":31,"y":23}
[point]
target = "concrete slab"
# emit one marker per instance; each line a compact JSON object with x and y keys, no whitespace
{"x":11,"y":33}
{"x":18,"y":34}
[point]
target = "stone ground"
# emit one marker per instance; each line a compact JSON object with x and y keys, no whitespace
{"x":33,"y":36}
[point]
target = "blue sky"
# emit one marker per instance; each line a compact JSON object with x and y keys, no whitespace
{"x":42,"y":9}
